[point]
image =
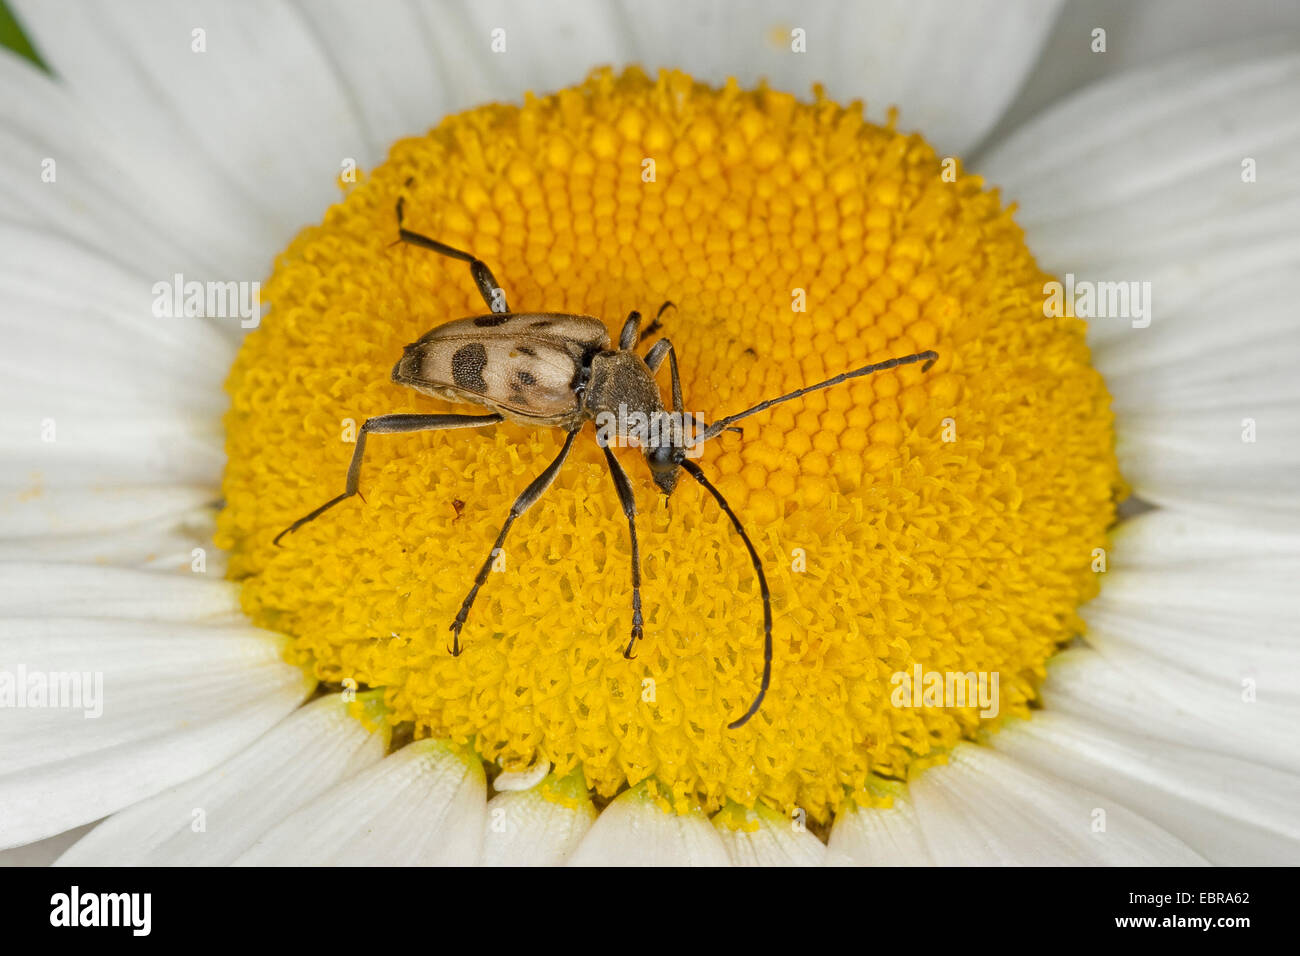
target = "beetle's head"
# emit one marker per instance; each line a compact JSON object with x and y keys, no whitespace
{"x":665,"y":463}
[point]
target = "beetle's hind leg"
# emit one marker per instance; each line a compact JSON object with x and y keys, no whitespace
{"x":625,"y":498}
{"x":387,"y":425}
{"x":526,"y":500}
{"x":488,"y":287}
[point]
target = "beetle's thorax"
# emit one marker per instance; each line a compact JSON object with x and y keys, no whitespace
{"x":620,"y":381}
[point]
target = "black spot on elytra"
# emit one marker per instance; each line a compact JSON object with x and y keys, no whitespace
{"x":525,"y":378}
{"x":467,"y":365}
{"x":525,"y":350}
{"x":491,"y":321}
{"x":544,"y":324}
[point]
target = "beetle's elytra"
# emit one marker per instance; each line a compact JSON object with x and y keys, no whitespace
{"x":558,"y":370}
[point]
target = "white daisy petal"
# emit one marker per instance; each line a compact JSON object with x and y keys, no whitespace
{"x":43,"y":852}
{"x":212,"y":819}
{"x":81,"y":328}
{"x":984,"y":808}
{"x":31,"y":590}
{"x":180,"y":543}
{"x":1153,"y":192}
{"x":869,"y":837}
{"x":1200,"y":618}
{"x":951,"y":71}
{"x":407,"y":66}
{"x":541,"y":826}
{"x":634,"y":831}
{"x":1142,"y":695}
{"x":66,"y":171}
{"x":260,"y":97}
{"x":75,"y":445}
{"x":1231,"y":811}
{"x":97,"y":389}
{"x":522,"y":779}
{"x":63,"y":511}
{"x":1137,"y":35}
{"x":763,"y":837}
{"x":950,"y":68}
{"x":422,"y":806}
{"x":154,"y":704}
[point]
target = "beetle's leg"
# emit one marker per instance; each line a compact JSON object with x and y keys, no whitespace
{"x":655,"y":358}
{"x":656,"y":325}
{"x":625,"y":498}
{"x":387,"y":425}
{"x":627,"y":339}
{"x":695,"y":472}
{"x":492,"y":293}
{"x":525,"y":501}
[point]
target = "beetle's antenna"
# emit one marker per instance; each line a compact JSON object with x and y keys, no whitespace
{"x":928,"y":357}
{"x":694,"y":471}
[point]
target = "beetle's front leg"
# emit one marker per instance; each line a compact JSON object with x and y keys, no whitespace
{"x":655,"y":358}
{"x":387,"y":425}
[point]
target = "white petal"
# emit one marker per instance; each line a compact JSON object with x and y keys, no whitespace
{"x":522,"y":779}
{"x":634,"y":831}
{"x":1142,"y":695}
{"x":408,"y":66}
{"x":81,"y":329}
{"x":100,"y":445}
{"x":61,"y":511}
{"x":143,"y":526}
{"x":763,"y":837}
{"x":151,"y":211}
{"x":29,"y":590}
{"x":1231,"y":811}
{"x":950,"y":69}
{"x":260,"y":116}
{"x":1137,"y":34}
{"x":294,"y":762}
{"x":984,"y":808}
{"x":180,"y":543}
{"x":541,"y":826}
{"x":163,"y":702}
{"x":1151,"y":191}
{"x":871,"y":837}
{"x":422,"y":806}
{"x":1200,"y":618}
{"x":43,"y":852}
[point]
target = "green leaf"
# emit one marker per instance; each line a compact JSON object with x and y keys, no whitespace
{"x":13,"y":38}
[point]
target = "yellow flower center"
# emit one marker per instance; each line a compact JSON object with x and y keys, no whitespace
{"x":910,"y":523}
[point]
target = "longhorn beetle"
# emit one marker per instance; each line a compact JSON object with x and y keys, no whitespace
{"x":558,"y":370}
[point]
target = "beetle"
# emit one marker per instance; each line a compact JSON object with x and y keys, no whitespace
{"x":558,"y":370}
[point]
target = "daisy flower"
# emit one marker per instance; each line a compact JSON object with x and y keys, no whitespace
{"x":1033,"y":605}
